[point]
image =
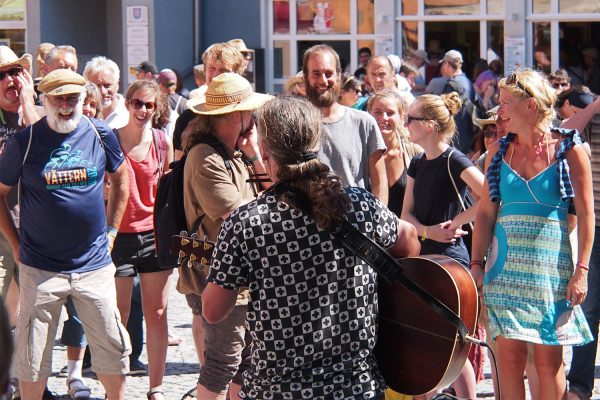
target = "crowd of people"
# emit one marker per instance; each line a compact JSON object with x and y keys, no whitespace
{"x":498,"y":173}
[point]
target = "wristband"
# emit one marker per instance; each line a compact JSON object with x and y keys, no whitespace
{"x":582,"y":266}
{"x":424,"y":236}
{"x":252,"y":159}
{"x":476,"y":262}
{"x":111,"y":231}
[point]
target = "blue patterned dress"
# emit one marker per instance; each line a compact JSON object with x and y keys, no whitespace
{"x":530,"y":261}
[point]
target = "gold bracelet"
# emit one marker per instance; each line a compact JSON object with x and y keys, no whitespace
{"x":424,"y":236}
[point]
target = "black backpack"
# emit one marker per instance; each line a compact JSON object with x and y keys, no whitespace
{"x":464,"y":119}
{"x":169,"y":213}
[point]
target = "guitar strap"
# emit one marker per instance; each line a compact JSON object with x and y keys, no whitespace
{"x":378,"y":259}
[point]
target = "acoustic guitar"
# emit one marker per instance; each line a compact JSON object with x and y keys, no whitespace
{"x":418,"y":350}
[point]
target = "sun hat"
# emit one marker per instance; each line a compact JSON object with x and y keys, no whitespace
{"x":289,"y":84}
{"x":491,"y":119}
{"x":167,"y":77}
{"x":228,"y":93}
{"x":239,"y":44}
{"x":452,"y":56}
{"x":422,"y":54}
{"x":147,"y":66}
{"x":62,"y":81}
{"x":8,"y":58}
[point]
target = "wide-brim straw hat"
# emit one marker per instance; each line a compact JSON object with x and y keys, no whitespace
{"x":9,"y":58}
{"x":228,"y":93}
{"x":481,"y":122}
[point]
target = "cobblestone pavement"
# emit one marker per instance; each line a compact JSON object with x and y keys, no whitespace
{"x":182,"y":363}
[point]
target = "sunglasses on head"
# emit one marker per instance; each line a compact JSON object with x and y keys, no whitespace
{"x":410,"y":118}
{"x":137,"y":104}
{"x":512,"y":80}
{"x":556,"y":85}
{"x":12,"y":72}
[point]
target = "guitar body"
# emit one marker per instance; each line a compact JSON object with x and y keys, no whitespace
{"x":418,"y":350}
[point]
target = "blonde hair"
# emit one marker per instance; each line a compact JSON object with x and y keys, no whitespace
{"x":441,"y":110}
{"x":402,"y":137}
{"x":225,"y":53}
{"x":527,"y":83}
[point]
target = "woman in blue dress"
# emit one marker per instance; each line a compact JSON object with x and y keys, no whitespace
{"x":530,"y":286}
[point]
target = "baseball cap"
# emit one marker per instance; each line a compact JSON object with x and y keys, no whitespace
{"x":422,"y":54}
{"x":62,"y":81}
{"x":147,"y":66}
{"x":167,"y":77}
{"x":453,"y":56}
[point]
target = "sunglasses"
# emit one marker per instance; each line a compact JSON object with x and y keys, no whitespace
{"x":138,"y":104}
{"x":11,"y":72}
{"x":512,"y":80}
{"x":562,"y":84}
{"x":490,"y":132}
{"x":410,"y":119}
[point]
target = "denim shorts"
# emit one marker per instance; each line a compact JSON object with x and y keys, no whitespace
{"x":43,"y":294}
{"x":135,"y":252}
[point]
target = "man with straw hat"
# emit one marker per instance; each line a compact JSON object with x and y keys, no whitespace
{"x":66,"y":234}
{"x":221,"y":150}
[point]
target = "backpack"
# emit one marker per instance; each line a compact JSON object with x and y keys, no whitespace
{"x":169,"y":212}
{"x":464,"y":120}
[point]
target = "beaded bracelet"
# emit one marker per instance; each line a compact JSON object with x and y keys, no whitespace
{"x":252,"y":159}
{"x":582,"y":266}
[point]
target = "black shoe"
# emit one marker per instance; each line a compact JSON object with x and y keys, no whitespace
{"x":48,"y":395}
{"x":87,"y":361}
{"x":136,"y":367}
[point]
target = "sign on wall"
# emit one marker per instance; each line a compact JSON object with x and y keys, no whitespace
{"x":137,"y":38}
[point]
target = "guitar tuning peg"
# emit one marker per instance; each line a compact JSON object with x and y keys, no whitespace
{"x":195,"y":236}
{"x":183,"y":233}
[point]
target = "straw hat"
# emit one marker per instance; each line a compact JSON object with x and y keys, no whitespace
{"x":8,"y":58}
{"x":62,"y":81}
{"x":481,"y":122}
{"x":228,"y":93}
{"x":289,"y":84}
{"x":239,"y":44}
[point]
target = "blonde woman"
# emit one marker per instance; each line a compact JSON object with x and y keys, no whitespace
{"x":436,"y":191}
{"x":388,"y":109}
{"x":530,"y":286}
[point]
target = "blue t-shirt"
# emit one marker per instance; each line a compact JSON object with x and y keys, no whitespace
{"x":63,"y":219}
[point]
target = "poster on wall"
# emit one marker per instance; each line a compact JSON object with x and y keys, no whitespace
{"x":138,"y":49}
{"x":514,"y":53}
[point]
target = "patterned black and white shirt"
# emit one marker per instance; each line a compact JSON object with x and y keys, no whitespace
{"x":313,"y":308}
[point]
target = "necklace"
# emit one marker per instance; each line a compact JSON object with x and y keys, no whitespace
{"x":538,"y":151}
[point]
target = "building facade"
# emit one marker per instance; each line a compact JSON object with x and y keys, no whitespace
{"x":174,"y":33}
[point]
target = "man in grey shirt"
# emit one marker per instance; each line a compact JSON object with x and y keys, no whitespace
{"x":353,"y":146}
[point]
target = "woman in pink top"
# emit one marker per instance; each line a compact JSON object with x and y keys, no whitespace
{"x":148,"y":153}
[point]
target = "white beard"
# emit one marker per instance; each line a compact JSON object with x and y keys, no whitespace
{"x":59,"y":124}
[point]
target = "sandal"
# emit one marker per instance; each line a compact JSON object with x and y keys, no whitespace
{"x":174,"y":341}
{"x":77,"y":389}
{"x":153,"y":392}
{"x":190,"y":395}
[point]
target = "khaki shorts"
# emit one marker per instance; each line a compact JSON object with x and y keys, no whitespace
{"x":43,"y":293}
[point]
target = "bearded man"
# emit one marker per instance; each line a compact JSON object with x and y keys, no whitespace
{"x":352,"y":144}
{"x":65,"y":233}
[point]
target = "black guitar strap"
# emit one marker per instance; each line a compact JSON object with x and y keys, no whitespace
{"x":377,"y":258}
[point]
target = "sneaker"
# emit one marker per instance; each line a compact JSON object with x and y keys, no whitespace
{"x":136,"y":367}
{"x":12,"y":392}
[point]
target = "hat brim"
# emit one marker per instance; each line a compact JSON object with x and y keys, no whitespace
{"x":67,"y":89}
{"x":25,"y":62}
{"x":251,"y":103}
